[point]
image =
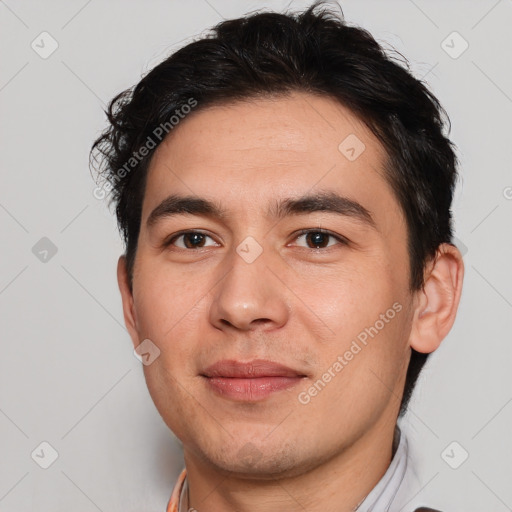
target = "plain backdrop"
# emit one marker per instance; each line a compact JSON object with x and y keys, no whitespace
{"x":68,"y":376}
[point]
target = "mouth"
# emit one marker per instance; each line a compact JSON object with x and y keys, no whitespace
{"x":250,"y":381}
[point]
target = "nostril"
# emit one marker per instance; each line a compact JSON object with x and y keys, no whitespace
{"x":261,"y":321}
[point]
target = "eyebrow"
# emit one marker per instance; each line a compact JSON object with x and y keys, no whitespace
{"x":319,"y":202}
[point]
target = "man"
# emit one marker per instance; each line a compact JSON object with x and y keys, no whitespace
{"x":284,"y":190}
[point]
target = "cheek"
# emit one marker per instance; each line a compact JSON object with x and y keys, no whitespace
{"x":165,"y":300}
{"x":170,"y":313}
{"x":365,"y":310}
{"x":351,"y":298}
{"x":173,"y":397}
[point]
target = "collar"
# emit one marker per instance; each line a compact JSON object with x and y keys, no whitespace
{"x":177,"y":493}
{"x":379,"y":499}
{"x":383,"y":495}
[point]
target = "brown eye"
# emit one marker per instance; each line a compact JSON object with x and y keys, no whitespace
{"x":319,"y":239}
{"x":190,"y":240}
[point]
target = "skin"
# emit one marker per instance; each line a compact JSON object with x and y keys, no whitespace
{"x":297,"y":305}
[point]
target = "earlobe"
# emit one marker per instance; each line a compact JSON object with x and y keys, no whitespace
{"x":130,"y":317}
{"x":438,"y":300}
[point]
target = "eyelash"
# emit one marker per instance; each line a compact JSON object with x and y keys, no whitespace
{"x":340,"y":239}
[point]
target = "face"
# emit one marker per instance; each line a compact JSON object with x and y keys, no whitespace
{"x":283,"y":323}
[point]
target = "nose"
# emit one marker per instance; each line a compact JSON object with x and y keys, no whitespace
{"x":250,"y":296}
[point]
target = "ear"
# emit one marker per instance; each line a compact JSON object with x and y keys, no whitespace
{"x":437,"y":302}
{"x":130,"y":318}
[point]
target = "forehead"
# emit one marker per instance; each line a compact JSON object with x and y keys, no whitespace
{"x":247,"y":154}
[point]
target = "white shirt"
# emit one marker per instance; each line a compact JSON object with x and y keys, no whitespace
{"x":395,"y":491}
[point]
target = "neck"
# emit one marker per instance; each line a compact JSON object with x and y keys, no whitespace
{"x":339,"y":484}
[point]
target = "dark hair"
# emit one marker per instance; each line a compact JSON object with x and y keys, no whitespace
{"x":268,"y":53}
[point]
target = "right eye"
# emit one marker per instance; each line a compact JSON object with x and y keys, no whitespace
{"x":190,"y":240}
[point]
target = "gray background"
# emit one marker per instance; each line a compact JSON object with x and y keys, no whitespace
{"x":67,"y":372}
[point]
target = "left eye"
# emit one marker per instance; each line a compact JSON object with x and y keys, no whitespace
{"x":319,"y":238}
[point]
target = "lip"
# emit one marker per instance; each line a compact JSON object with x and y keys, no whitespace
{"x":250,"y":381}
{"x":256,"y":368}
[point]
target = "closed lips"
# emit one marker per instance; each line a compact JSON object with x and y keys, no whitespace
{"x":254,"y":369}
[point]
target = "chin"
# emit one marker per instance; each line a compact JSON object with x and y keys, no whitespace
{"x":260,"y":462}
